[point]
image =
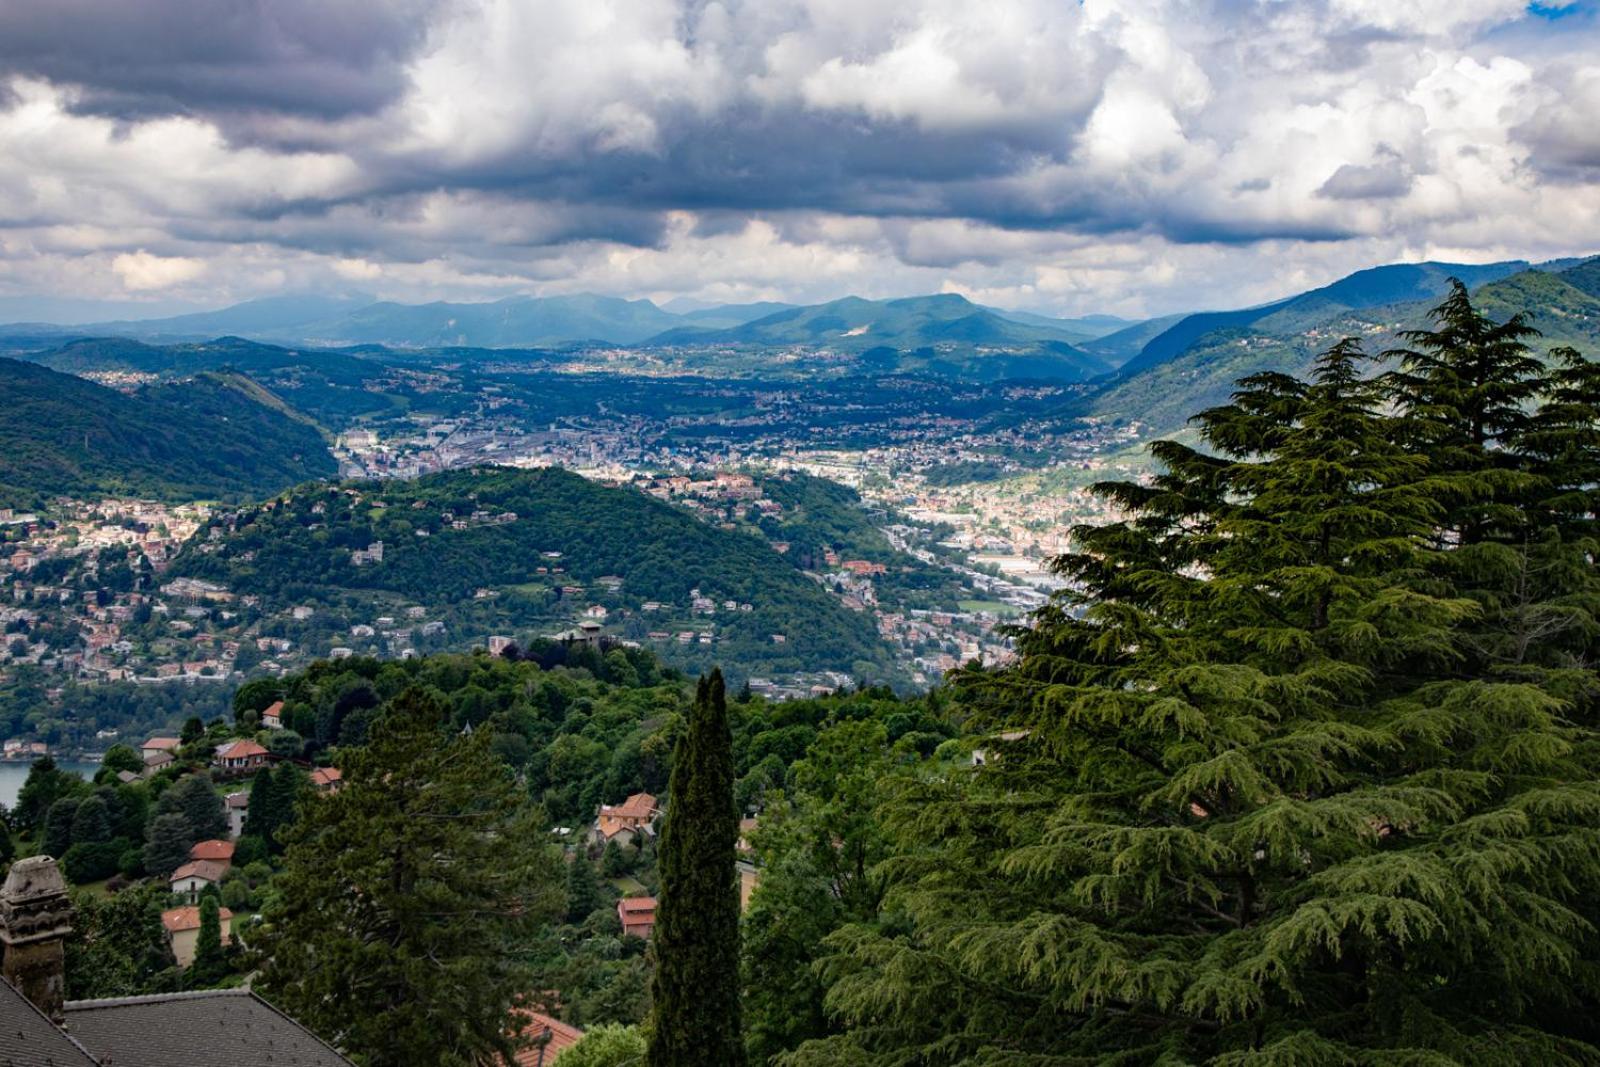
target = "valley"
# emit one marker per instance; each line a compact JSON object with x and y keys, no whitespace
{"x":890,"y":522}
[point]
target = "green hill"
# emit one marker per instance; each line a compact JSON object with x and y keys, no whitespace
{"x":943,"y":334}
{"x":449,"y":536}
{"x":1395,"y":283}
{"x":215,"y":436}
{"x":334,"y":387}
{"x":1163,"y":396}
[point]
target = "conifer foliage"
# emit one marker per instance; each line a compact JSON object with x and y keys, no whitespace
{"x":1302,"y":767}
{"x":696,"y":939}
{"x":412,"y":898}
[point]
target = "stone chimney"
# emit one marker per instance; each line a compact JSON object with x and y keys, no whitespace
{"x":35,"y":918}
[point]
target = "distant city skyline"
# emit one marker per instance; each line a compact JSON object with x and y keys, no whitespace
{"x":1113,"y":156}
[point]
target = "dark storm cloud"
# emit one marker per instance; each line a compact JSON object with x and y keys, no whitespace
{"x":323,"y":59}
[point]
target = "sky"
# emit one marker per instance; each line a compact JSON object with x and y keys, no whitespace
{"x":1130,"y":157}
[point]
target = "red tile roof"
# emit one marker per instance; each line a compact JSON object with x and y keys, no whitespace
{"x":561,"y":1038}
{"x":209,"y":870}
{"x":275,"y":709}
{"x":215,"y":849}
{"x":325,"y":776}
{"x":178,"y":920}
{"x":240,"y":750}
{"x":164,"y":743}
{"x":637,"y":904}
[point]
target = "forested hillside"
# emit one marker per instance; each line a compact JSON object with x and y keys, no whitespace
{"x":528,"y":537}
{"x":1563,"y":306}
{"x":215,"y":436}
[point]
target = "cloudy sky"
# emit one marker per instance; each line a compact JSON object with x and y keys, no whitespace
{"x":1130,"y":156}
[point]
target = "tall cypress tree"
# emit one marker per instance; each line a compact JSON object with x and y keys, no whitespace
{"x":696,"y":982}
{"x":209,"y":963}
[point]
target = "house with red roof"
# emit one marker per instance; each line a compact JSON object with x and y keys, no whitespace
{"x":216,"y":849}
{"x":272,"y":716}
{"x":625,"y":823}
{"x":327,"y":779}
{"x":183,"y":930}
{"x":157,"y":745}
{"x":187,"y":881}
{"x":638,"y":916}
{"x":240,"y":757}
{"x":547,"y":1039}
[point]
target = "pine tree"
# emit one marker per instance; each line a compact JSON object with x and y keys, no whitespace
{"x":1250,"y":798}
{"x":411,"y":901}
{"x":58,"y":826}
{"x":273,"y":796}
{"x":696,"y":983}
{"x":1464,"y":390}
{"x":91,"y":823}
{"x":197,"y":801}
{"x":167,"y":845}
{"x":46,"y":783}
{"x":583,"y":889}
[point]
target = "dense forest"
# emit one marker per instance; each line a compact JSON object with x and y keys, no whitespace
{"x":212,"y":437}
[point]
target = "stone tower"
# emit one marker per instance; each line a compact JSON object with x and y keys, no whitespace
{"x":35,"y":918}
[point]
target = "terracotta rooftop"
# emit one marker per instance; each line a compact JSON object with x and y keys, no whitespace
{"x":177,"y":920}
{"x":638,"y":806}
{"x":240,"y":750}
{"x":215,"y":849}
{"x":210,"y":870}
{"x":561,"y":1038}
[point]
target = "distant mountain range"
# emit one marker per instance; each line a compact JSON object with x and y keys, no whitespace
{"x":1393,"y":284}
{"x":586,"y":320}
{"x":943,"y":335}
{"x":1195,"y":362}
{"x":219,"y":436}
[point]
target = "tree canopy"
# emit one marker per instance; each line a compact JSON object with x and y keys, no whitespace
{"x":1302,"y":765}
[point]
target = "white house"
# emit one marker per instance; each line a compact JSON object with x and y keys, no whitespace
{"x":187,"y":881}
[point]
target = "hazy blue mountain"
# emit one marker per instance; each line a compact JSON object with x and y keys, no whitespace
{"x":519,"y":321}
{"x":269,"y":316}
{"x":1086,"y":327}
{"x":1393,"y":284}
{"x":723,"y":316}
{"x":1122,"y":345}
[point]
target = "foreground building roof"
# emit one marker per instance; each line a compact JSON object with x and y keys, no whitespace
{"x":219,"y":1026}
{"x":29,"y":1039}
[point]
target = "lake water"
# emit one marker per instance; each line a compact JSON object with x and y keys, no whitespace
{"x":13,"y":774}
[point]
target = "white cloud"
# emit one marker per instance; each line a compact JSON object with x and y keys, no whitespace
{"x":142,"y":271}
{"x":1129,"y":155}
